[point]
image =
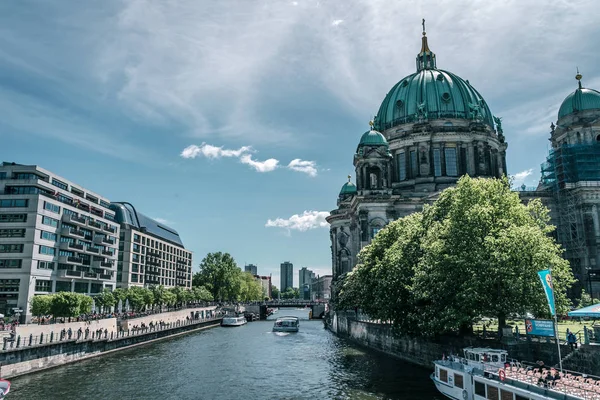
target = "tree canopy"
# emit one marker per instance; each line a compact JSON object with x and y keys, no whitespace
{"x":225,"y":281}
{"x":475,"y":252}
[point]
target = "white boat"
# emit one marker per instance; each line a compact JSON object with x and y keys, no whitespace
{"x":286,"y":324}
{"x":233,"y":321}
{"x":484,"y":373}
{"x":4,"y":388}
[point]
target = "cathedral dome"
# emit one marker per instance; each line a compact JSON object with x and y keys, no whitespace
{"x":430,"y":94}
{"x":348,"y":188}
{"x":580,"y":100}
{"x":372,"y":138}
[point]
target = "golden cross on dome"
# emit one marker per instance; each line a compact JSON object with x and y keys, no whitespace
{"x":423,"y":26}
{"x":349,"y":177}
{"x":371,"y":123}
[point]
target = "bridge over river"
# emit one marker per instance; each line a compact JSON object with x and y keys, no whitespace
{"x":318,"y":308}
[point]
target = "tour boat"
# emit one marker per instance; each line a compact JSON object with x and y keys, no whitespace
{"x":286,"y":324}
{"x":485,"y":373}
{"x":233,"y":321}
{"x":4,"y":388}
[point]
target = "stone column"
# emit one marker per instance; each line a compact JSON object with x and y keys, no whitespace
{"x":443,"y":158}
{"x":472,"y":159}
{"x":595,"y":219}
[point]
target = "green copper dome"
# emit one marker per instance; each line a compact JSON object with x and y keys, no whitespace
{"x":372,"y":138}
{"x":348,"y":188}
{"x":580,"y":100}
{"x":430,"y":94}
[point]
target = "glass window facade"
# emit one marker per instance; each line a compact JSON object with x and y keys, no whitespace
{"x":47,"y":250}
{"x":437,"y":162}
{"x":45,"y":265}
{"x":11,"y":248}
{"x":451,"y":165}
{"x":11,"y":233}
{"x":11,"y":263}
{"x":9,"y":285}
{"x":60,"y":184}
{"x":414,"y":165}
{"x":49,"y":221}
{"x":401,"y":161}
{"x":42,"y":285}
{"x":13,"y":217}
{"x":48,"y":236}
{"x":51,"y":207}
{"x":14,"y":203}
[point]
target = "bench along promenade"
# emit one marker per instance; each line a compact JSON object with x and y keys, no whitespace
{"x":37,"y":347}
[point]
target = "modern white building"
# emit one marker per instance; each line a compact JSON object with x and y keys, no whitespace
{"x":54,"y":236}
{"x":150,"y":253}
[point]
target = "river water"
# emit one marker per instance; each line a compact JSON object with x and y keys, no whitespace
{"x":248,"y":362}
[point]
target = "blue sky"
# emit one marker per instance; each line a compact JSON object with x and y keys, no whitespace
{"x":235,"y":122}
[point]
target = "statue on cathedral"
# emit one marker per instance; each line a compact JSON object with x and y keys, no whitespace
{"x":552,"y":127}
{"x":475,"y":111}
{"x":422,"y":111}
{"x":498,"y":121}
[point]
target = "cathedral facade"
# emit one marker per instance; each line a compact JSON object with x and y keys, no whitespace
{"x":431,"y":128}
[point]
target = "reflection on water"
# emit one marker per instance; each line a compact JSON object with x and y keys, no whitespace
{"x":248,"y":362}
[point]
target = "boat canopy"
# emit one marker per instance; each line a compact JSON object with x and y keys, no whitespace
{"x":592,"y":311}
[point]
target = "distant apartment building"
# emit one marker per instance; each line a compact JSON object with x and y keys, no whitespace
{"x":305,"y":276}
{"x":55,"y":236}
{"x":286,"y":275}
{"x":265,"y":282}
{"x":321,"y":288}
{"x":150,"y":253}
{"x":253,"y":269}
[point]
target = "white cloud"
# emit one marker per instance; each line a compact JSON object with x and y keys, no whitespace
{"x":520,"y":178}
{"x":337,"y":22}
{"x":308,"y":220}
{"x":308,"y":167}
{"x":210,"y":151}
{"x":260,"y":166}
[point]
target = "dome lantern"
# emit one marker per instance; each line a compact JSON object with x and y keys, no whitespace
{"x":426,"y":58}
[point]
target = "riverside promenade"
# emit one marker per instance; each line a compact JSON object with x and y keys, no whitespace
{"x":59,"y":344}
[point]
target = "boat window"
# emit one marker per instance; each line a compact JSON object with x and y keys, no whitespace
{"x":443,"y":375}
{"x":495,"y":358}
{"x":479,"y":388}
{"x":503,"y":357}
{"x":458,"y":381}
{"x":476,"y":357}
{"x":437,"y":372}
{"x":506,"y":395}
{"x":492,"y":392}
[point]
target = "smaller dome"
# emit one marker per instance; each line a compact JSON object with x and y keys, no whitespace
{"x":348,"y":188}
{"x":372,"y":138}
{"x":581,"y":99}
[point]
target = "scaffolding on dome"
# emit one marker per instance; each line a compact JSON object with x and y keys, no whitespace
{"x":566,"y":169}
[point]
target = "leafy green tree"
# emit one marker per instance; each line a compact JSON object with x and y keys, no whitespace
{"x":274,"y":292}
{"x":296,"y":293}
{"x":170,"y":298}
{"x":251,"y":288}
{"x":159,"y":293}
{"x":136,"y":297}
{"x":148,"y":297}
{"x":41,"y":305}
{"x":200,"y":293}
{"x":220,"y":275}
{"x":181,"y":295}
{"x":120,"y":294}
{"x":65,"y":304}
{"x":85,"y":304}
{"x":105,"y":300}
{"x":288,"y":294}
{"x":586,"y":300}
{"x":475,"y":251}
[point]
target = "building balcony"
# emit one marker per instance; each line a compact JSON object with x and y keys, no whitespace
{"x":100,"y":239}
{"x":152,"y":271}
{"x":109,"y":229}
{"x":66,"y":231}
{"x":108,"y":253}
{"x":68,"y":273}
{"x":153,"y":254}
{"x":73,"y":219}
{"x":70,"y":260}
{"x":90,"y":275}
{"x":181,"y":261}
{"x":95,"y":225}
{"x":105,"y":277}
{"x":103,"y":264}
{"x":71,"y":246}
{"x":92,"y":250}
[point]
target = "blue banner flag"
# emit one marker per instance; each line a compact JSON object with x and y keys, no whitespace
{"x":539,"y":327}
{"x":546,"y":279}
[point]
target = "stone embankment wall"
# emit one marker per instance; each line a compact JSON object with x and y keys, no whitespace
{"x":19,"y":361}
{"x":166,"y":317}
{"x":423,"y":352}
